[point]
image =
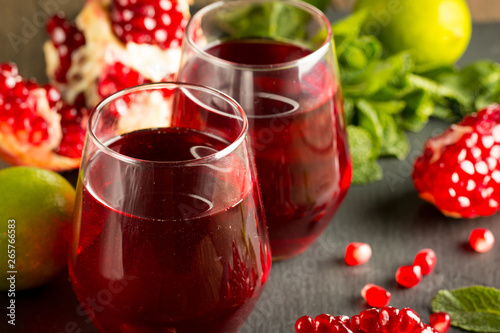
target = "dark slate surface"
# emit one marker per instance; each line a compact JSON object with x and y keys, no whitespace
{"x":387,"y":214}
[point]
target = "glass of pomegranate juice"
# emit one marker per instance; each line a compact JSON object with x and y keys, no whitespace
{"x":169,"y":233}
{"x":276,"y":58}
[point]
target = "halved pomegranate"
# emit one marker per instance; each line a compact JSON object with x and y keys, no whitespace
{"x":120,"y":37}
{"x":36,"y":127}
{"x":113,"y":44}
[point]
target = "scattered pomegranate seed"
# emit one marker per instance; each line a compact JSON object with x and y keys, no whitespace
{"x":305,"y":324}
{"x":355,"y":324}
{"x":384,"y":320}
{"x":440,"y":321}
{"x":324,"y":323}
{"x":369,"y":320}
{"x":459,"y":170}
{"x":426,"y":259}
{"x":408,"y":320}
{"x":375,"y":296}
{"x":409,"y":276}
{"x":343,"y":319}
{"x":357,"y":253}
{"x":389,"y":319}
{"x":481,"y":240}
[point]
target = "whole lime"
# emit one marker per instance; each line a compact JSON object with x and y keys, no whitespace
{"x":437,"y":32}
{"x":36,"y":208}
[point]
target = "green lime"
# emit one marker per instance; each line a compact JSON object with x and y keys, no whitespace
{"x":36,"y":208}
{"x":437,"y":32}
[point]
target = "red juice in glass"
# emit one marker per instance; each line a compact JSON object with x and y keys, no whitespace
{"x":297,"y":132}
{"x":169,"y":241}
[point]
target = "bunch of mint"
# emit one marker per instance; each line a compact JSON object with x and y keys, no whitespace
{"x":387,"y":95}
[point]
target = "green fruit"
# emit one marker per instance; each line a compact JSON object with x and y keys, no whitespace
{"x":38,"y":205}
{"x":437,"y":32}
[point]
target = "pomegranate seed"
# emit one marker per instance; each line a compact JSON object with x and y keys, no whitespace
{"x":305,"y":324}
{"x":8,"y":68}
{"x":409,"y":276}
{"x":408,"y":319}
{"x":426,"y":259}
{"x":424,"y":328}
{"x":440,"y":321}
{"x":148,"y":22}
{"x":324,"y":323}
{"x":343,"y":320}
{"x":369,"y":321}
{"x":357,"y":253}
{"x":375,"y":296}
{"x":481,"y":240}
{"x":118,"y":77}
{"x":355,"y":324}
{"x":340,"y":328}
{"x":389,"y":319}
{"x":66,"y":38}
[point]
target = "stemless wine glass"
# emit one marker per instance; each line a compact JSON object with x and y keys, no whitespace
{"x":169,"y":233}
{"x":276,"y":58}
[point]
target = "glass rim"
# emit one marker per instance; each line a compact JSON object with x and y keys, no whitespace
{"x":234,"y":144}
{"x":315,"y":12}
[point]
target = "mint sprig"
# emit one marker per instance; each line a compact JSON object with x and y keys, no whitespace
{"x":387,"y":94}
{"x":475,"y":308}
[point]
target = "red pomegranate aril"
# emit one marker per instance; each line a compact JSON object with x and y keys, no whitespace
{"x":8,"y":68}
{"x":369,"y":321}
{"x":384,"y":320}
{"x":117,"y":77}
{"x":340,"y":328}
{"x":409,"y":276}
{"x":355,"y":324}
{"x":66,"y":38}
{"x":424,"y":328}
{"x":153,"y":22}
{"x":305,"y":324}
{"x":357,"y":253}
{"x":343,"y":319}
{"x":426,"y":259}
{"x":440,"y":321}
{"x":324,"y":323}
{"x":375,"y":296}
{"x":481,"y":240}
{"x":408,"y":320}
{"x":53,"y":95}
{"x":388,"y":319}
{"x":39,"y":131}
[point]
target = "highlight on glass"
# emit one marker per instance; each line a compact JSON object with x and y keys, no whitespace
{"x":286,"y":79}
{"x":169,"y":233}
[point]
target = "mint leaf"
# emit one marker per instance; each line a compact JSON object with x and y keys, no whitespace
{"x":394,"y":140}
{"x":364,"y":155}
{"x":367,"y":172}
{"x":475,"y":308}
{"x":418,"y":110}
{"x":369,"y":120}
{"x":361,"y":145}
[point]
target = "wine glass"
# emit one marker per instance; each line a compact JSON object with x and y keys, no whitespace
{"x":276,"y":58}
{"x":169,"y":233}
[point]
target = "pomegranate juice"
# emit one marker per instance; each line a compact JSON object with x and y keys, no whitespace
{"x":297,"y":131}
{"x":182,"y":262}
